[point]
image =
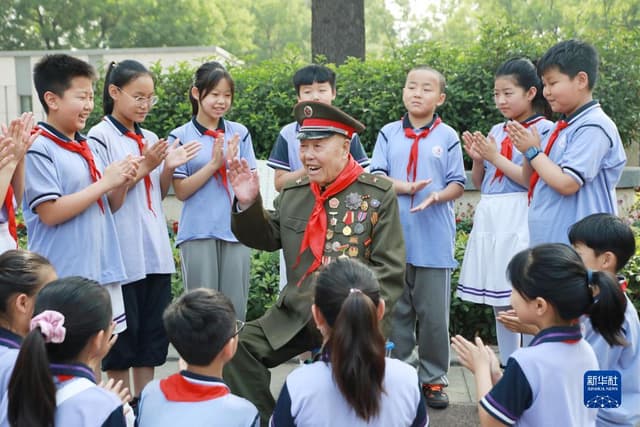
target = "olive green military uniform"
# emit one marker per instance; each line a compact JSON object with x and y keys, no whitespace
{"x":362,"y":223}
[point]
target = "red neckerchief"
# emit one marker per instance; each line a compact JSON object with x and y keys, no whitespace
{"x":506,"y":147}
{"x":147,"y":179}
{"x":222,"y":172}
{"x":623,"y":284}
{"x":177,"y":389}
{"x":552,"y":139}
{"x":316,"y":231}
{"x":80,"y":147}
{"x":412,"y":165}
{"x":11,"y":214}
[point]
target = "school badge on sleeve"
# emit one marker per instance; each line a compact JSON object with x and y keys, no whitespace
{"x":602,"y":389}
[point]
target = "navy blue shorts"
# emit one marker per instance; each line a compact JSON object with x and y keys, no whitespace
{"x":144,"y":343}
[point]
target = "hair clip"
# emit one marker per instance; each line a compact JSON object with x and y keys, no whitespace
{"x":51,"y":324}
{"x":352,"y":290}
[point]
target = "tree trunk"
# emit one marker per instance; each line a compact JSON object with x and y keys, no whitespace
{"x":337,"y":29}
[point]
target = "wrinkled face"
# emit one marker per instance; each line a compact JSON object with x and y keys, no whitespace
{"x":217,"y":102}
{"x":561,"y":91}
{"x":421,"y":94}
{"x":324,"y":159}
{"x":72,"y":109}
{"x":320,"y":92}
{"x":134,"y":100}
{"x":513,"y":101}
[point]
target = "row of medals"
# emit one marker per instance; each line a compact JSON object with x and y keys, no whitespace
{"x":352,"y":224}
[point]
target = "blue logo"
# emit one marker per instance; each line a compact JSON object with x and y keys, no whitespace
{"x":602,"y":389}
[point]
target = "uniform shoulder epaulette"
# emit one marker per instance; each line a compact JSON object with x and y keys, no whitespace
{"x":375,"y":180}
{"x":300,"y":182}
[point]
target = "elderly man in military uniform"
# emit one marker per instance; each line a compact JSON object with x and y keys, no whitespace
{"x":337,"y":210}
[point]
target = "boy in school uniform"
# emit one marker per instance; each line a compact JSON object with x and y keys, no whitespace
{"x":69,"y":192}
{"x":312,"y":83}
{"x":583,"y":159}
{"x":202,"y":326}
{"x":422,"y":157}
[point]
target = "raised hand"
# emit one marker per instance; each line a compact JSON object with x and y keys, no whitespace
{"x":233,"y":147}
{"x":155,"y":154}
{"x":511,"y":321}
{"x":121,"y":172}
{"x":468,"y":141}
{"x":244,"y":182}
{"x":431,"y":199}
{"x":178,"y":155}
{"x":522,"y":137}
{"x":471,"y":355}
{"x":414,"y":187}
{"x":486,"y":147}
{"x":217,"y":153}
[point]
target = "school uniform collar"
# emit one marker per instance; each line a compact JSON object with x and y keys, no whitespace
{"x":567,"y":334}
{"x":9,"y":339}
{"x":534,"y":118}
{"x":191,"y":387}
{"x":580,"y":111}
{"x":406,"y":123}
{"x":46,"y":126}
{"x":122,"y":128}
{"x":201,"y":129}
{"x":65,"y":371}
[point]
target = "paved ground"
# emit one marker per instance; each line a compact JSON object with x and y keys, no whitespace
{"x":462,"y":411}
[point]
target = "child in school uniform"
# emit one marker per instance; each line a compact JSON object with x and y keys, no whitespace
{"x":22,"y":275}
{"x":69,"y":192}
{"x":552,"y":288}
{"x":211,"y":255}
{"x":52,"y":383}
{"x":423,"y":158}
{"x":14,"y":142}
{"x":606,"y":243}
{"x":583,"y":157}
{"x":140,"y":221}
{"x":351,"y":383}
{"x":497,"y":172}
{"x":312,"y":83}
{"x":202,"y":326}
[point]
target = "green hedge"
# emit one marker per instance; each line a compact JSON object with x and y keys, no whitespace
{"x":371,"y":90}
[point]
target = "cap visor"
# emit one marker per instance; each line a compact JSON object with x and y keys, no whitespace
{"x":314,"y":134}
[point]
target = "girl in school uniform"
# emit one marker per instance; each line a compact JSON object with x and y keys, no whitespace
{"x":500,"y":220}
{"x":15,"y":139}
{"x":210,"y":253}
{"x":22,"y":275}
{"x":142,"y":228}
{"x":53,"y":382}
{"x":552,"y":288}
{"x":352,"y":383}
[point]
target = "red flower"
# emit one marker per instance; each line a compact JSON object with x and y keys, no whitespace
{"x":175,"y":227}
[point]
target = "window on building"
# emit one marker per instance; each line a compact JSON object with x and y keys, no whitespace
{"x":26,"y":103}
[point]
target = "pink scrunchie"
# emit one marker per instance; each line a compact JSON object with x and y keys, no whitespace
{"x":51,"y":326}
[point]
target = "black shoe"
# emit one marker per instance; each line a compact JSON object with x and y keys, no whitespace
{"x":435,"y":396}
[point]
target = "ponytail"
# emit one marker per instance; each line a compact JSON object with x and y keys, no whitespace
{"x":107,"y":100}
{"x":608,"y":307}
{"x":357,"y":354}
{"x":31,"y":392}
{"x":347,"y":294}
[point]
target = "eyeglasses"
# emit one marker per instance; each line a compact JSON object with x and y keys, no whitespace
{"x":141,"y":101}
{"x":239,"y":327}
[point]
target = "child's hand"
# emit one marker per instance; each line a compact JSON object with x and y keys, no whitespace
{"x":155,"y":154}
{"x":217,"y":153}
{"x":121,"y":172}
{"x":511,"y":321}
{"x":233,"y":147}
{"x":414,"y":187}
{"x":116,"y":387}
{"x":472,"y":356}
{"x":469,"y":146}
{"x":494,"y":365}
{"x":6,"y":151}
{"x":431,"y":199}
{"x":19,"y":131}
{"x":523,"y":138}
{"x":486,"y":147}
{"x":178,"y":155}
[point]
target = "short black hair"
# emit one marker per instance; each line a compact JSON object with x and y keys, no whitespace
{"x":199,"y":324}
{"x":53,"y":73}
{"x":314,"y":73}
{"x":442,"y":82}
{"x":604,"y":232}
{"x":571,"y":57}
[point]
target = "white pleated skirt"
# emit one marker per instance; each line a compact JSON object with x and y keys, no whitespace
{"x":500,"y":230}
